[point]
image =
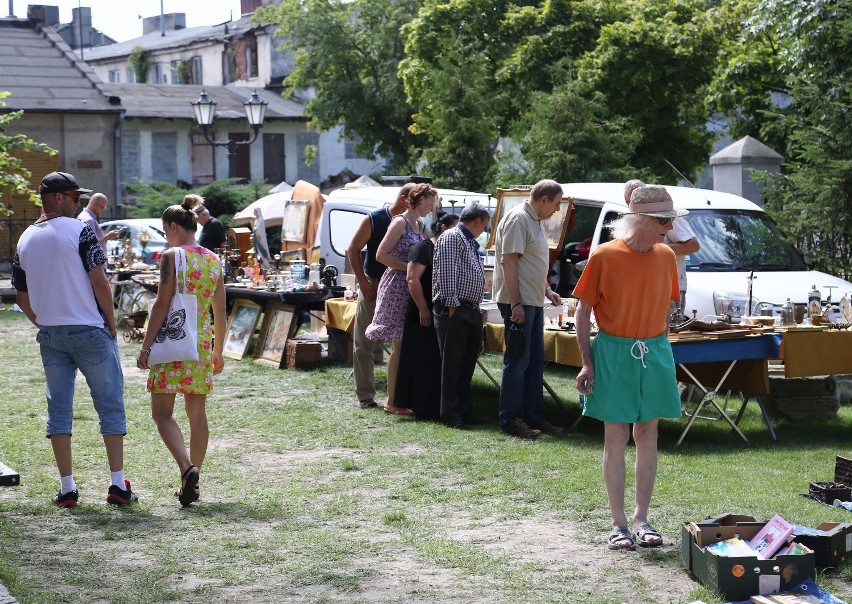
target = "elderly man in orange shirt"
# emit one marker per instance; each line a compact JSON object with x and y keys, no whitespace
{"x":628,"y":374}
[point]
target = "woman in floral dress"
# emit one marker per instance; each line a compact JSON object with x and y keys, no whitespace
{"x":392,"y":295}
{"x":193,"y":379}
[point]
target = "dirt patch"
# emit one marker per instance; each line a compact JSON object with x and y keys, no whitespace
{"x":575,"y":553}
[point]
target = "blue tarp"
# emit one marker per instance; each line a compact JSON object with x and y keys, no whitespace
{"x":810,"y":588}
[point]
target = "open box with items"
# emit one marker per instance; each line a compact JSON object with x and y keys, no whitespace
{"x":830,"y":541}
{"x":840,"y":489}
{"x":738,"y":577}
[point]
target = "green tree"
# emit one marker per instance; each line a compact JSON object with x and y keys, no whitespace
{"x":223,"y":198}
{"x":654,"y":69}
{"x":349,"y":52}
{"x":137,"y":60}
{"x":13,"y":174}
{"x":812,"y":199}
{"x":748,"y":76}
{"x":650,"y":60}
{"x":569,"y":135}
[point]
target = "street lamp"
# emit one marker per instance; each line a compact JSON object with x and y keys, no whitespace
{"x":205,"y":109}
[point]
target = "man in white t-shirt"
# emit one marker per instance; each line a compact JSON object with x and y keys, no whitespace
{"x":680,"y":239}
{"x":58,"y":274}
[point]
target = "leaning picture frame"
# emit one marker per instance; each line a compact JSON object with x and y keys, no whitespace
{"x":555,"y":227}
{"x":241,"y":325}
{"x":294,"y":223}
{"x":279,"y":324}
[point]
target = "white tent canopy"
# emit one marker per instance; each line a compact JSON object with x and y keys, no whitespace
{"x":271,"y":208}
{"x":281,"y":187}
{"x":362,"y":181}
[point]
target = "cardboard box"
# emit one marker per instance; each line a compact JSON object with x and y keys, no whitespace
{"x":8,"y":477}
{"x":739,"y":577}
{"x":831,"y":548}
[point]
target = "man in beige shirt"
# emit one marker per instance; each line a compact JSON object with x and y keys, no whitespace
{"x":520,"y":289}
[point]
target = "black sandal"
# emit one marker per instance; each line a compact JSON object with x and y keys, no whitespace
{"x":187,"y":491}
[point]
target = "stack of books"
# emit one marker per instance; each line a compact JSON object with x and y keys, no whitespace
{"x":769,"y":541}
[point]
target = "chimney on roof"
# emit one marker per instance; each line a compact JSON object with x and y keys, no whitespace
{"x":173,"y":22}
{"x":249,"y":6}
{"x":46,"y":16}
{"x":12,"y":9}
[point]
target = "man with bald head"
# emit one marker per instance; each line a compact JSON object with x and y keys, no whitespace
{"x":97,"y":204}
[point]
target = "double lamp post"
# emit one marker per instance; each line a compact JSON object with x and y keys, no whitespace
{"x":205,"y":109}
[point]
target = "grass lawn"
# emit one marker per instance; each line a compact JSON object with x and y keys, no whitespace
{"x":306,"y":498}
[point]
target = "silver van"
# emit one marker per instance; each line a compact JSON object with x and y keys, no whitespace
{"x":345,"y":209}
{"x":737,"y":239}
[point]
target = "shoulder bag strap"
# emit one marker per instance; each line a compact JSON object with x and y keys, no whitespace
{"x":180,"y":264}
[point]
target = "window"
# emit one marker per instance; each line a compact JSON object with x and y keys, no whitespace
{"x":739,"y":240}
{"x":114,"y":75}
{"x":131,"y":75}
{"x":178,"y":72}
{"x":161,"y":73}
{"x":342,"y":225}
{"x":251,"y":57}
{"x":229,"y":65}
{"x":195,"y":70}
{"x":350,"y":147}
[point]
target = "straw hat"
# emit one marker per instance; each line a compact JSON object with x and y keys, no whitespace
{"x":653,"y":200}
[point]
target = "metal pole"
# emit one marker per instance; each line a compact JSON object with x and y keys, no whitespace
{"x":80,"y":19}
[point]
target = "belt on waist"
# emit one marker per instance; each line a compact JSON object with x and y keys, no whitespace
{"x":471,"y":305}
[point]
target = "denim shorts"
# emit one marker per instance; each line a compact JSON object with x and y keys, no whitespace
{"x":634,"y":380}
{"x":64,"y":350}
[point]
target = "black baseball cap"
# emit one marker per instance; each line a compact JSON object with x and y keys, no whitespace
{"x":60,"y":182}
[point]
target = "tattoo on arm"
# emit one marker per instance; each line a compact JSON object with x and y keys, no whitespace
{"x":165,"y":268}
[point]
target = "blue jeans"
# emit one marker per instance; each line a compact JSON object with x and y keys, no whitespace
{"x":523,"y":378}
{"x":64,"y":350}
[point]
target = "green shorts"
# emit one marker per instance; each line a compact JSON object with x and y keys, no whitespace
{"x":634,"y":380}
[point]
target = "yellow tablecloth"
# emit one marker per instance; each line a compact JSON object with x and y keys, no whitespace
{"x":340,"y":314}
{"x":559,"y":346}
{"x":807,"y":353}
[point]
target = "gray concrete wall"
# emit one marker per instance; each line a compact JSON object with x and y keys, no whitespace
{"x":84,"y":141}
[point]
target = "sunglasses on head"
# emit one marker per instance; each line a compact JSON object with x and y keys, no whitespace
{"x":664,"y":221}
{"x":73,"y":195}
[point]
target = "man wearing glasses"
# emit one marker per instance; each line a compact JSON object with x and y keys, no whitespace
{"x":682,"y":241}
{"x":58,"y":272}
{"x":97,"y":204}
{"x":628,"y":374}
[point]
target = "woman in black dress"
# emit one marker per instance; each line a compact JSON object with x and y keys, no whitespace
{"x":418,"y":385}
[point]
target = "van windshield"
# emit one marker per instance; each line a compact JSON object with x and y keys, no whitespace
{"x":739,"y":240}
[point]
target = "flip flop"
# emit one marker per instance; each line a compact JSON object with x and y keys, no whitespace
{"x":187,"y":492}
{"x":642,"y":531}
{"x":619,"y":535}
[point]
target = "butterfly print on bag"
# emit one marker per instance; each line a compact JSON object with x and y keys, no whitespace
{"x":172,"y":328}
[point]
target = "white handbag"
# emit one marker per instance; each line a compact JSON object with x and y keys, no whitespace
{"x":177,"y":339}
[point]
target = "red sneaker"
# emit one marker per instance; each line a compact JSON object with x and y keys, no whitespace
{"x":121,"y":496}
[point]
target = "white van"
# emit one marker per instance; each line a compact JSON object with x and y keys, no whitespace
{"x":345,"y":209}
{"x":736,"y":237}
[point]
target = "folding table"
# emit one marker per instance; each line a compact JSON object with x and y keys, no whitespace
{"x":694,"y":358}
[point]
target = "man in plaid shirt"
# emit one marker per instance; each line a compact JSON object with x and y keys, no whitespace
{"x":458,"y":282}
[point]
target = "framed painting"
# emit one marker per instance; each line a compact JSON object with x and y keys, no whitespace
{"x":241,"y":324}
{"x":279,"y":324}
{"x":555,"y":227}
{"x":294,"y":224}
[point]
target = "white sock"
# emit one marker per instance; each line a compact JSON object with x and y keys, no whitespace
{"x":66,"y":484}
{"x":118,"y":479}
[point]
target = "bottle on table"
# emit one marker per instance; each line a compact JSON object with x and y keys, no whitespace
{"x":788,"y":317}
